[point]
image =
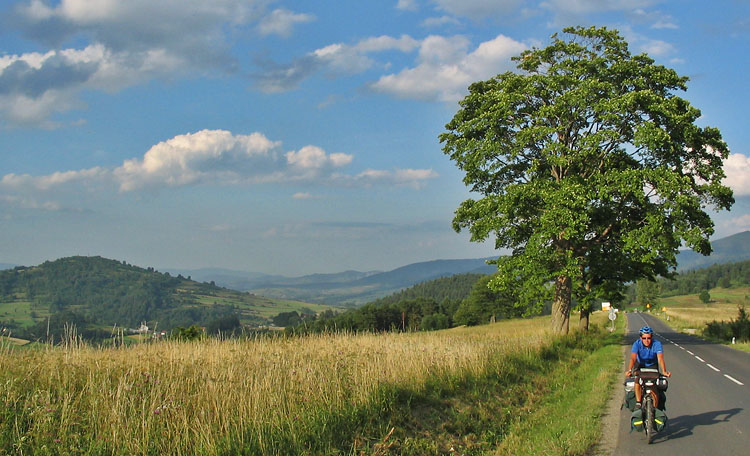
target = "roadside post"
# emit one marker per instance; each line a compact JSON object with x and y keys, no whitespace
{"x":612,"y":314}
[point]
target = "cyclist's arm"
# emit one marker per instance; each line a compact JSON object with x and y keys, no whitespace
{"x":633,"y":358}
{"x":663,"y":366}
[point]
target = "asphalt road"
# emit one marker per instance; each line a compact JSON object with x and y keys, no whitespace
{"x":708,"y":400}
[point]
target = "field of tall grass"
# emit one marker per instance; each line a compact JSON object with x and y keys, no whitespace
{"x":688,"y":314}
{"x":263,"y":396}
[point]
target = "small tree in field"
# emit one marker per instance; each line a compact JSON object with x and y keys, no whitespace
{"x":593,"y":172}
{"x":705,"y":297}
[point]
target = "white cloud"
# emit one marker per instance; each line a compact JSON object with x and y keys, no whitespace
{"x":211,"y":157}
{"x":304,"y":196}
{"x":642,"y":43}
{"x":334,"y":59}
{"x":341,"y":58}
{"x":415,"y":178}
{"x":125,"y":43}
{"x":737,"y":169}
{"x":53,"y":180}
{"x":445,"y":68}
{"x":440,"y":21}
{"x":737,"y":224}
{"x":215,"y":156}
{"x":567,"y":12}
{"x":478,"y":9}
{"x":281,"y":22}
{"x":657,"y":48}
{"x":407,"y":5}
{"x":404,"y":43}
{"x":28,"y":203}
{"x":579,"y":7}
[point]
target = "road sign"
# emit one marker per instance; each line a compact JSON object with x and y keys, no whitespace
{"x":606,"y":306}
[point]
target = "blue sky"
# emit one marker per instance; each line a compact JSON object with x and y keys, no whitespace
{"x":291,"y":137}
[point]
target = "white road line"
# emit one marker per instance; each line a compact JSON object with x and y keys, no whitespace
{"x":701,"y":360}
{"x":734,"y":380}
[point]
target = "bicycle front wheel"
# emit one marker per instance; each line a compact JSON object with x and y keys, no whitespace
{"x":650,"y":429}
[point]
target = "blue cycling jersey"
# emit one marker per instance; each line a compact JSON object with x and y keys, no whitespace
{"x":647,"y":355}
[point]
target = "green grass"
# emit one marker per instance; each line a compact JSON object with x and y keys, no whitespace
{"x":251,"y":309}
{"x":17,"y":310}
{"x":251,"y":306}
{"x":688,"y":314}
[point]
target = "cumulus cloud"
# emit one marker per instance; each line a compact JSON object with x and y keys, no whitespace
{"x":52,"y":180}
{"x":445,"y":68}
{"x":334,"y":59}
{"x":206,"y":156}
{"x":478,"y":9}
{"x":181,"y":26}
{"x":35,"y":86}
{"x":28,"y":203}
{"x":440,"y":21}
{"x":124,"y":43}
{"x":657,"y":48}
{"x":737,"y":224}
{"x":415,"y":178}
{"x":737,"y":169}
{"x":581,"y":7}
{"x":281,"y":22}
{"x":210,"y":157}
{"x":304,"y":196}
{"x":408,"y":5}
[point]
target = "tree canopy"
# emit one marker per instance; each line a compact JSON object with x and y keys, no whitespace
{"x":592,"y":170}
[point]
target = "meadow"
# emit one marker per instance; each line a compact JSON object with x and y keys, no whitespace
{"x":687,"y":313}
{"x":459,"y":390}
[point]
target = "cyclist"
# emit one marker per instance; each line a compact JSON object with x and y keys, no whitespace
{"x":646,"y":352}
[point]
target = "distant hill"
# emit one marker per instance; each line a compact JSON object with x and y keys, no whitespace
{"x":98,"y":294}
{"x":354,"y":288}
{"x":227,"y":278}
{"x":730,"y":249}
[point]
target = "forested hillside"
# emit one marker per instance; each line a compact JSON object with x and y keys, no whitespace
{"x":97,"y":294}
{"x":453,"y":288}
{"x":697,"y":280}
{"x":462,"y":299}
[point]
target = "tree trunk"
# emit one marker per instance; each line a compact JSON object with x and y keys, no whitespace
{"x":561,"y":305}
{"x":583,"y":323}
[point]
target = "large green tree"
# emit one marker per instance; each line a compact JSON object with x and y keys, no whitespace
{"x":592,"y":170}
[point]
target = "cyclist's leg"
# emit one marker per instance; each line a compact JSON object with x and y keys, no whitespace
{"x":637,"y":384}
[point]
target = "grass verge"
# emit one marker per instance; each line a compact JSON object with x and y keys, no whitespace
{"x":522,"y":405}
{"x":568,"y":420}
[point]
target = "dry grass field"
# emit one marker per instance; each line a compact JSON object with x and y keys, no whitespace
{"x":688,"y":314}
{"x":204,"y":397}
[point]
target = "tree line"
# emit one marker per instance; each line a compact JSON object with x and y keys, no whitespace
{"x":462,"y":299}
{"x":695,"y":281}
{"x":718,"y":275}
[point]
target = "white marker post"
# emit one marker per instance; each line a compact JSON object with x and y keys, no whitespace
{"x":612,"y":314}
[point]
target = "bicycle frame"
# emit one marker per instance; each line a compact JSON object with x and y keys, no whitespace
{"x":647,"y":378}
